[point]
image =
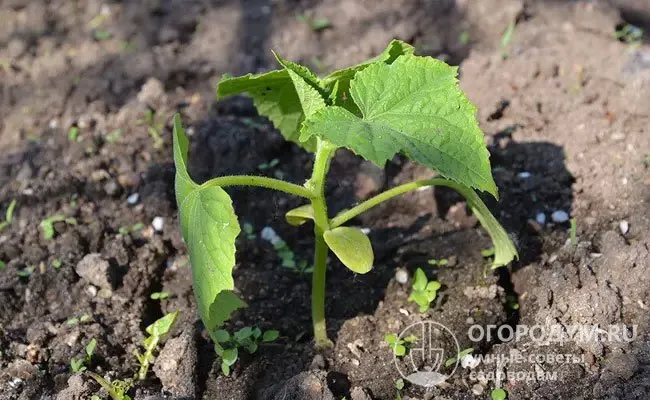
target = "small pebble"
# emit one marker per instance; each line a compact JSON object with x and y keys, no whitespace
{"x":365,"y":230}
{"x":624,"y":226}
{"x":269,"y":235}
{"x":401,"y":276}
{"x":133,"y":199}
{"x":540,"y":218}
{"x":92,"y":291}
{"x":523,"y":175}
{"x":559,"y":216}
{"x":478,"y":389}
{"x":318,"y":362}
{"x":158,"y":224}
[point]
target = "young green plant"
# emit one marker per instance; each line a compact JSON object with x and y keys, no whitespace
{"x":79,"y":365}
{"x":424,"y":291}
{"x":394,"y":103}
{"x":227,"y":346}
{"x":157,"y":331}
{"x":9,"y":216}
{"x":400,"y":346}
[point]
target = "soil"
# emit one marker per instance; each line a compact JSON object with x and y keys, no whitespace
{"x":565,"y":112}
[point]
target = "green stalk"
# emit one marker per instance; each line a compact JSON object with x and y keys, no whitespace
{"x":259,"y":181}
{"x":347,"y":215}
{"x":316,"y":185}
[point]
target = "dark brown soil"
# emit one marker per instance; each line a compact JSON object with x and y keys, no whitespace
{"x":569,"y":107}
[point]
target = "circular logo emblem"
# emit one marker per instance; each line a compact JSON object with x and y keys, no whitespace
{"x":431,"y":355}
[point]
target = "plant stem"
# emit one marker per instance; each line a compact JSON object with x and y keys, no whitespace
{"x":316,"y":185}
{"x":347,"y":215}
{"x":260,"y":181}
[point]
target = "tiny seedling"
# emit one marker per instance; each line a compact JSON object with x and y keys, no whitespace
{"x":394,"y":103}
{"x":438,"y":263}
{"x":159,"y":295}
{"x":79,"y":365}
{"x":73,"y":134}
{"x":47,"y":225}
{"x":74,"y":320}
{"x":573,"y":232}
{"x":116,"y":389}
{"x":400,"y":347}
{"x":463,"y":38}
{"x":3,"y":265}
{"x":630,"y":34}
{"x":424,"y":291}
{"x":227,"y":346}
{"x":157,"y":331}
{"x":499,"y":394}
{"x":315,"y":24}
{"x":9,"y":216}
{"x":487,"y":253}
{"x":249,"y":230}
{"x":154,"y":127}
{"x":56,"y":263}
{"x":25,"y":272}
{"x":125,"y":230}
{"x":506,"y":38}
{"x":399,"y":386}
{"x":269,"y":165}
{"x":453,"y":360}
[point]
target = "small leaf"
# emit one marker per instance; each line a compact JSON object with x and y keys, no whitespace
{"x":300,"y":215}
{"x":225,"y":368}
{"x":243,"y":333}
{"x":399,"y":350}
{"x":420,"y":280}
{"x":10,"y":212}
{"x":433,"y":286}
{"x":90,"y":347}
{"x":229,"y":356}
{"x":270,"y":336}
{"x":411,"y":339}
{"x":252,"y":348}
{"x":162,"y":326}
{"x":390,"y":338}
{"x":221,"y":336}
{"x":412,"y":106}
{"x":498,"y":394}
{"x":209,"y":226}
{"x":257,"y":333}
{"x":352,"y":247}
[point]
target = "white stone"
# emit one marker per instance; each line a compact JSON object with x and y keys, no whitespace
{"x":560,"y":216}
{"x":158,"y":224}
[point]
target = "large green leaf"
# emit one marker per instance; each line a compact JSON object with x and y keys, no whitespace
{"x":352,"y":247}
{"x":275,"y":97}
{"x":413,"y":106}
{"x":338,"y":82}
{"x":209,"y":226}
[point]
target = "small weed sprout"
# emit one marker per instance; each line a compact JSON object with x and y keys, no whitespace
{"x":315,"y":24}
{"x":227,"y":346}
{"x":499,"y":394}
{"x":25,"y":272}
{"x":73,"y":134}
{"x":159,"y":295}
{"x":47,"y":225}
{"x":126,"y":230}
{"x":453,"y":360}
{"x":573,"y":232}
{"x":154,"y":127}
{"x":506,"y":38}
{"x":157,"y":331}
{"x":399,"y":386}
{"x":9,"y":216}
{"x":399,"y":346}
{"x":424,"y":291}
{"x":116,"y":389}
{"x":438,"y":263}
{"x":79,"y":365}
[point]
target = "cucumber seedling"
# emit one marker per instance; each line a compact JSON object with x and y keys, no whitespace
{"x":394,"y":103}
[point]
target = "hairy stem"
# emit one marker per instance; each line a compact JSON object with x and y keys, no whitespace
{"x":347,"y":215}
{"x":316,"y":185}
{"x":260,"y":181}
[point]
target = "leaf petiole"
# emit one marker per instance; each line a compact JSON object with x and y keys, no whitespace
{"x":260,"y":181}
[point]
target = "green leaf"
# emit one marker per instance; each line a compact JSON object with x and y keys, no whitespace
{"x":225,"y":368}
{"x":221,"y":336}
{"x":90,"y":347}
{"x":229,"y":356}
{"x":352,"y":247}
{"x":390,"y":338}
{"x":300,"y":215}
{"x":10,"y":212}
{"x":338,"y":82}
{"x":243,"y":333}
{"x":252,"y":348}
{"x":413,"y":106}
{"x":270,"y":336}
{"x":162,"y":326}
{"x":498,"y":394}
{"x":420,"y":280}
{"x":433,"y":286}
{"x":275,"y":97}
{"x":504,"y":249}
{"x":399,"y":350}
{"x":209,"y":226}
